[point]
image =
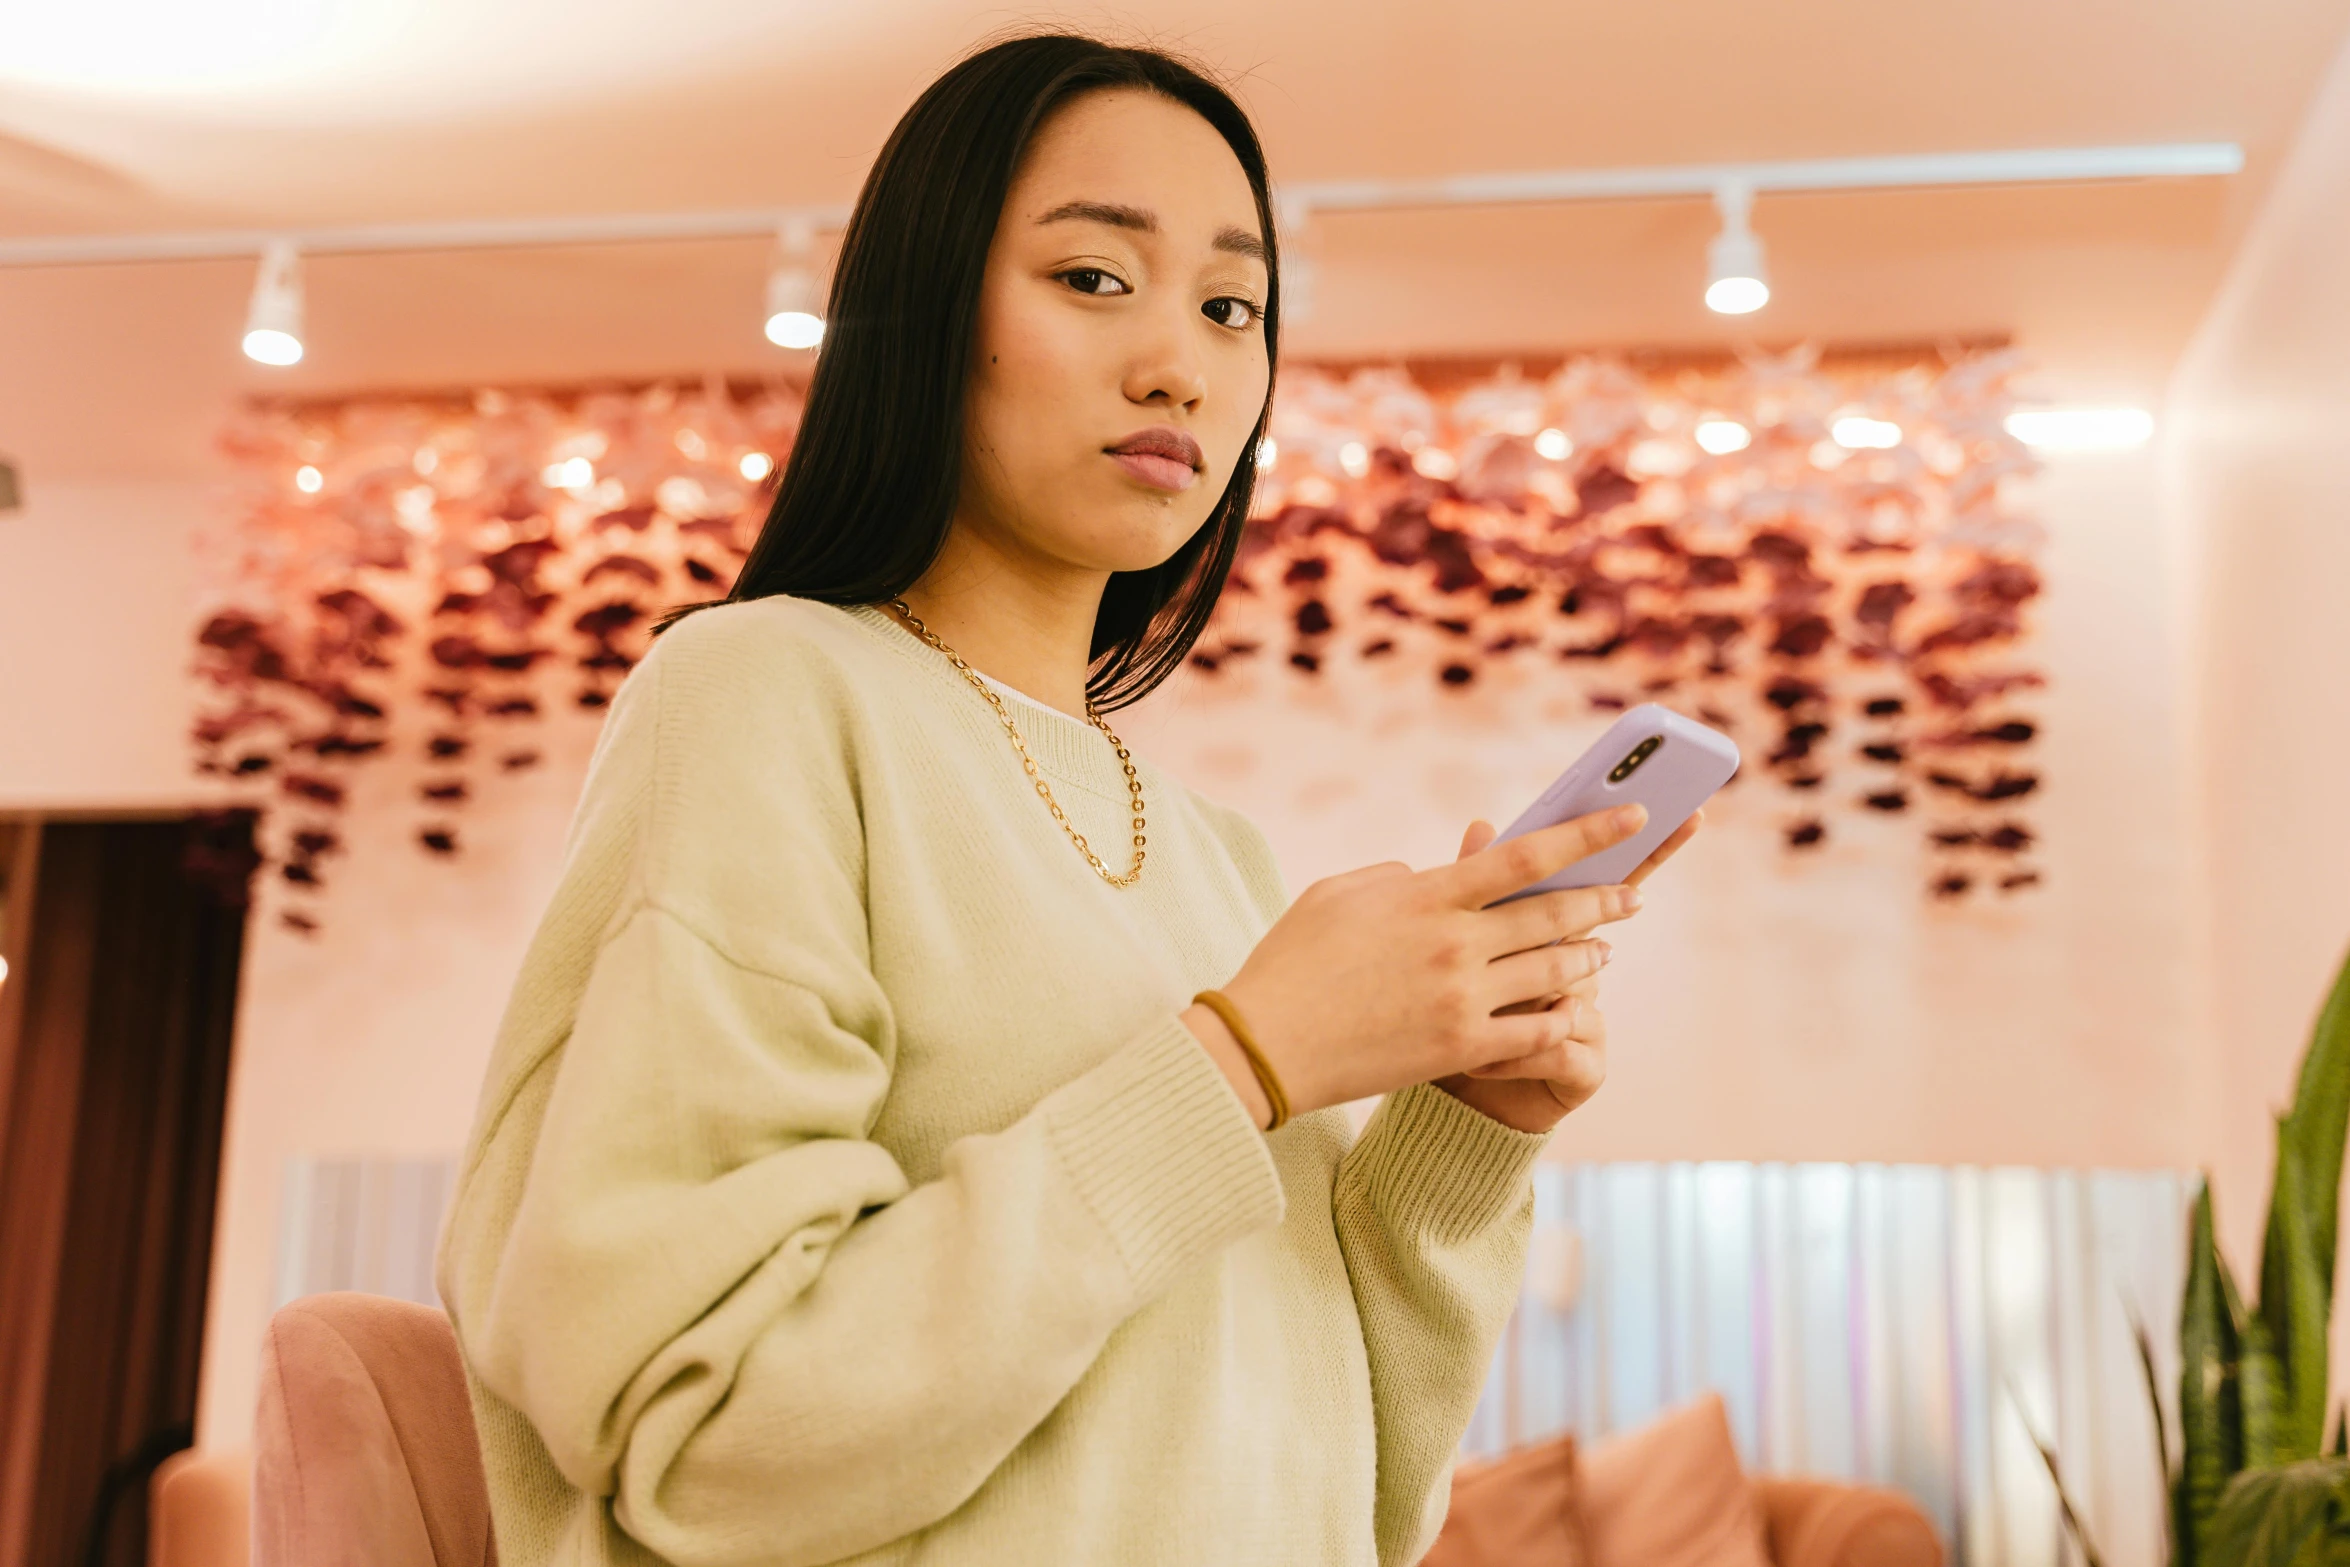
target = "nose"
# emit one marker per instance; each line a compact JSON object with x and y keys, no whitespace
{"x":1168,"y":370}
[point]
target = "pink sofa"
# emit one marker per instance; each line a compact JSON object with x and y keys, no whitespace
{"x":1671,"y":1494}
{"x":1825,"y":1523}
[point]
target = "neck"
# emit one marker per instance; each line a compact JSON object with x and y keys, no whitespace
{"x":1022,"y":621}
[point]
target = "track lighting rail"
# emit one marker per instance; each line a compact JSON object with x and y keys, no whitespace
{"x":2029,"y":166}
{"x":1919,"y":171}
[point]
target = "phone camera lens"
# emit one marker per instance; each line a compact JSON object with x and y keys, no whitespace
{"x":1631,"y":762}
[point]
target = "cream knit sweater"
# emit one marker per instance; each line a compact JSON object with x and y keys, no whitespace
{"x":846,"y":1188}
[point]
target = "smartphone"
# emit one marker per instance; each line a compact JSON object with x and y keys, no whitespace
{"x":1651,"y":756}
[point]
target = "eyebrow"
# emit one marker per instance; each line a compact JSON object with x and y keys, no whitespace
{"x":1235,"y":241}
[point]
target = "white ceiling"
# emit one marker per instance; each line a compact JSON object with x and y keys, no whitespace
{"x":124,"y":115}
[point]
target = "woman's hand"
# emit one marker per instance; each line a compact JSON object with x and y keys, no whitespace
{"x":1536,"y":1092}
{"x":1385,"y":977}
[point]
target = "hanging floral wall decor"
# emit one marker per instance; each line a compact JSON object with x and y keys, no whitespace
{"x":441,"y":574}
{"x":1821,"y":560}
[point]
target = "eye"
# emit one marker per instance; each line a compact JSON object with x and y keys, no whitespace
{"x":1093,"y":280}
{"x":1229,"y":310}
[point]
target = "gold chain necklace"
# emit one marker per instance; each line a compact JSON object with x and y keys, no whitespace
{"x":1044,"y":790}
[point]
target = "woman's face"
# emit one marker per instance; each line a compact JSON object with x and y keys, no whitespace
{"x":1121,"y":360}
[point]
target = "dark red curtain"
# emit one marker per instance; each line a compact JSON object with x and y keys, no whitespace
{"x":110,"y":1127}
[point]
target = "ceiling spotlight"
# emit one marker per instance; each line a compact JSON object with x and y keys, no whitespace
{"x":794,"y":311}
{"x":2081,"y":429}
{"x":309,"y":480}
{"x":1723,"y":436}
{"x":273,"y":322}
{"x":755,"y":466}
{"x":1736,"y":285}
{"x":1554,"y":444}
{"x":1861,"y":433}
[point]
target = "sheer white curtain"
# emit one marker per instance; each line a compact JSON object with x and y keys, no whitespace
{"x":1871,"y":1322}
{"x":361,"y":1224}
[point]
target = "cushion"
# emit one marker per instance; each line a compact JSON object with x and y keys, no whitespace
{"x":1671,"y":1494}
{"x":1823,"y":1523}
{"x":1517,"y":1511}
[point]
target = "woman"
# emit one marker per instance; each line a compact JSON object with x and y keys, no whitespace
{"x":858,"y":1177}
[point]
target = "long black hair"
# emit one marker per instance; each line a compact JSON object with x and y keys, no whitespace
{"x":863,"y":506}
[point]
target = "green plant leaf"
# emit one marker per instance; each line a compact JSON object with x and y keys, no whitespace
{"x":2211,"y":1422}
{"x":2064,"y":1497}
{"x":2260,"y":1381}
{"x":2145,"y":1342}
{"x":2279,"y":1517}
{"x":2295,"y":1300}
{"x":2173,"y":1518}
{"x":2319,"y":1121}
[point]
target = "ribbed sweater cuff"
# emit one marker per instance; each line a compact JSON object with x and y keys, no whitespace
{"x":1433,"y":1166}
{"x":1164,"y":1153}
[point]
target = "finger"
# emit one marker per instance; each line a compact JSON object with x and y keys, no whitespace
{"x":1530,"y":1045}
{"x":1667,"y":849}
{"x":1588,"y":988}
{"x":1552,"y":916}
{"x":1573,"y":1063}
{"x":1480,"y":833}
{"x":1545,"y":971}
{"x":1576,"y":1090}
{"x":1573,"y":1075}
{"x":1503,"y":868}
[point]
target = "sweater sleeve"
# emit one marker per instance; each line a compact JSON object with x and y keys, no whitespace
{"x":718,"y":1302}
{"x":1433,"y":1207}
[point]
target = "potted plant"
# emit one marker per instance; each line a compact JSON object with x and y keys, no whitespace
{"x":2254,"y":1485}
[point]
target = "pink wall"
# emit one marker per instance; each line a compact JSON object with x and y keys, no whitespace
{"x":97,"y":584}
{"x":2261,"y":418}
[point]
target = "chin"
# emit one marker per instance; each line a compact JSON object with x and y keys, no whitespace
{"x":1148,"y":532}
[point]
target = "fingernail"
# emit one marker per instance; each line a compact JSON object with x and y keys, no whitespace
{"x":1605,"y":952}
{"x":1627,"y":899}
{"x":1629,"y":817}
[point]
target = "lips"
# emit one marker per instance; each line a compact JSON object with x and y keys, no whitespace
{"x":1160,"y":457}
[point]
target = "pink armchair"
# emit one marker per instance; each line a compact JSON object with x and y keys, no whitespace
{"x":364,"y":1452}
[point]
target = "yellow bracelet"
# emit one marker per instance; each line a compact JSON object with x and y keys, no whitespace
{"x":1220,"y":1004}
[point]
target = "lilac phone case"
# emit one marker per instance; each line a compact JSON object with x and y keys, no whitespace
{"x":1681,"y":774}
